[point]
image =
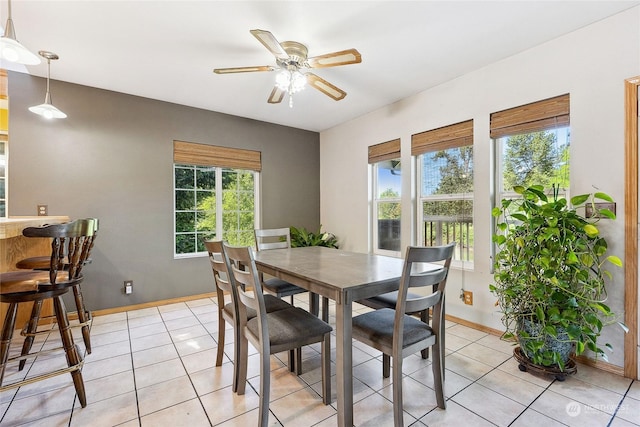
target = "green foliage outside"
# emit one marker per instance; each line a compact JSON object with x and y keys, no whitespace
{"x":389,"y":210}
{"x":535,"y":158}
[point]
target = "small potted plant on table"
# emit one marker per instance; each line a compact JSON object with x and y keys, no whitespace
{"x":550,"y":278}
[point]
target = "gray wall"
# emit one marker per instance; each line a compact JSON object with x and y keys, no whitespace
{"x":112,"y":159}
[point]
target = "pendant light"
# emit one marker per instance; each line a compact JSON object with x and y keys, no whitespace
{"x":47,"y":109}
{"x":11,"y":49}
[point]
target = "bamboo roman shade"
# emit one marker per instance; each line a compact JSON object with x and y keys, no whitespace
{"x":444,"y":138}
{"x":535,"y":117}
{"x":212,"y":155}
{"x":385,"y":151}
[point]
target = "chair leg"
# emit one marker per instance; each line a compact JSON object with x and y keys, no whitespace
{"x":298,"y":353}
{"x":70,"y":349}
{"x":32,"y":327}
{"x":83,"y":317}
{"x":386,"y":365}
{"x":7,"y":333}
{"x":326,"y":369}
{"x":221,"y":336}
{"x":243,"y":348}
{"x":424,"y":316}
{"x":265,"y":384}
{"x":291,"y":360}
{"x":437,"y":366}
{"x":397,"y":392}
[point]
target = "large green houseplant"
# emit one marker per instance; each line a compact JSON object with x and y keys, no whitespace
{"x":550,"y":274}
{"x":300,"y":237}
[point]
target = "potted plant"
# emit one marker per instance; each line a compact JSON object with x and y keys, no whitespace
{"x":550,"y":275}
{"x":300,"y":237}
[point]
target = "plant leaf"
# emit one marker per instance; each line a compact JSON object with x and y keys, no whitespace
{"x":603,"y":196}
{"x":580,"y":199}
{"x":591,"y":230}
{"x":614,"y":260}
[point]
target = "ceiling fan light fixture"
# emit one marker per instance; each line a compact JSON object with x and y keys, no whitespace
{"x":291,"y":81}
{"x":47,"y":109}
{"x":11,"y":49}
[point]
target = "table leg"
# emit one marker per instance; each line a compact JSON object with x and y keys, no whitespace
{"x":314,"y":303}
{"x":344,"y":364}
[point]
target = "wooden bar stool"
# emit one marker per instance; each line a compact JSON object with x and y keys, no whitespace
{"x":70,"y":248}
{"x":44,"y":263}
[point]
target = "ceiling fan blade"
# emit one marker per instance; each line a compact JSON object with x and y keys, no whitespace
{"x":325,"y":87}
{"x":276,"y":96}
{"x":344,"y":57}
{"x":243,"y":69}
{"x":271,"y":43}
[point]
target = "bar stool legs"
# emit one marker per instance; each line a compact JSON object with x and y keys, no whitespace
{"x":71,"y":350}
{"x":84,"y":317}
{"x":7,"y":333}
{"x":72,"y":353}
{"x":30,"y":332}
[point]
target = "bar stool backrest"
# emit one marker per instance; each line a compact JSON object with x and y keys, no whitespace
{"x":71,"y":245}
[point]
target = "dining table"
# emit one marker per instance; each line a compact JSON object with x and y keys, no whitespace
{"x":344,"y":277}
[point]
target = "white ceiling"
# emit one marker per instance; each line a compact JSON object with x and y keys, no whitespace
{"x":167,"y":50}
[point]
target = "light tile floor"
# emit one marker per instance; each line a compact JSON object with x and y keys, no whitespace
{"x":155,"y":367}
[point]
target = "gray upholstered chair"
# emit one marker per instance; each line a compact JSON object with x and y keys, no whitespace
{"x":280,"y":238}
{"x":276,"y":238}
{"x":390,"y":299}
{"x":398,"y":334}
{"x":274,"y":332}
{"x":227,"y":310}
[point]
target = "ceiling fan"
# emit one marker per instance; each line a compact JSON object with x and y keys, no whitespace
{"x":292,"y":62}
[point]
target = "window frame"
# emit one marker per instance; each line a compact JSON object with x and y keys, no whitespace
{"x":549,"y":114}
{"x":453,"y":136}
{"x":219,"y":227}
{"x":220,"y":159}
{"x":377,"y":154}
{"x":374,"y":213}
{"x":420,"y":199}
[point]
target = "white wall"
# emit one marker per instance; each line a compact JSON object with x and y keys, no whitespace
{"x":590,"y":64}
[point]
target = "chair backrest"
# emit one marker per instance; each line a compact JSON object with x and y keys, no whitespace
{"x":71,"y":245}
{"x":414,"y":274}
{"x":247,"y":285}
{"x":220,"y":267}
{"x":272,"y":238}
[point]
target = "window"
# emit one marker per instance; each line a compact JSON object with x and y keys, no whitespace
{"x":387,"y":180}
{"x":213,"y":199}
{"x":532,"y":146}
{"x":445,"y":187}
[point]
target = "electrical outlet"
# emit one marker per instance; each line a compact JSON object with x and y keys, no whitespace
{"x":43,"y":210}
{"x":468,"y":297}
{"x":128,"y":287}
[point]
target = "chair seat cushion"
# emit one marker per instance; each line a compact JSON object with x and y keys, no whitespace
{"x":281,"y":288}
{"x":389,"y":299}
{"x":377,"y":326}
{"x":22,"y":281}
{"x":271,"y":304}
{"x":291,"y":328}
